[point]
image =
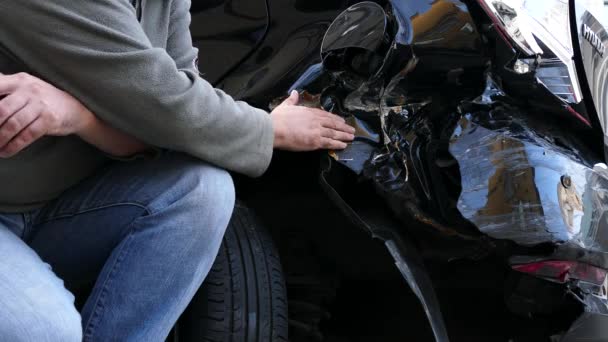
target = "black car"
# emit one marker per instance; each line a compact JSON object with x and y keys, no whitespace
{"x":473,"y":204}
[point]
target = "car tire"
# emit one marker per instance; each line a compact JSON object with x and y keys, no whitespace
{"x":243,"y":299}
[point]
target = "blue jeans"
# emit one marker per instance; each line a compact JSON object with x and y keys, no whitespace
{"x":142,"y":234}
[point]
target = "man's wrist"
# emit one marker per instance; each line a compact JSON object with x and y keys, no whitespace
{"x":279,"y":136}
{"x":278,"y":141}
{"x":87,"y":124}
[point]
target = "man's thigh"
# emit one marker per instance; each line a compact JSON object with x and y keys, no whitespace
{"x":34,"y":305}
{"x":78,"y":232}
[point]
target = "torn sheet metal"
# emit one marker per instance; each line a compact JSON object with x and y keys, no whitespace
{"x":355,"y":156}
{"x":422,"y":286}
{"x":379,"y":223}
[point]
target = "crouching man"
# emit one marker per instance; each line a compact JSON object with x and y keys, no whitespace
{"x":145,"y":232}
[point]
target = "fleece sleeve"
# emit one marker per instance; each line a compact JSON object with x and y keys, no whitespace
{"x":97,"y":51}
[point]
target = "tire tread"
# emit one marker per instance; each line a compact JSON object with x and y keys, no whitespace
{"x":246,"y":278}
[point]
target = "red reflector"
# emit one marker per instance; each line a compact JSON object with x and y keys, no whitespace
{"x":578,"y":116}
{"x":563,"y":271}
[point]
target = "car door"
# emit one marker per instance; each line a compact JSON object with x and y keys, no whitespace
{"x":226,"y":32}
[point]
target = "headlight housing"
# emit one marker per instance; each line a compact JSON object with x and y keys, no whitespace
{"x":540,"y":33}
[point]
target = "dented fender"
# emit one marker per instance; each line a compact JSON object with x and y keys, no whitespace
{"x":523,"y":185}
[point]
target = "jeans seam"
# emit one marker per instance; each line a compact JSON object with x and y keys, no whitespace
{"x":88,"y":210}
{"x":98,"y":306}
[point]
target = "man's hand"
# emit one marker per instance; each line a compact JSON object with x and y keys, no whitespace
{"x":298,"y":128}
{"x":32,"y":109}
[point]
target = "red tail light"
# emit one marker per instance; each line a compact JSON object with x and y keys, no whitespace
{"x":562,"y":271}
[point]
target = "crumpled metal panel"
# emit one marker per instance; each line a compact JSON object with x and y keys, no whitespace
{"x":520,"y":186}
{"x":482,"y":171}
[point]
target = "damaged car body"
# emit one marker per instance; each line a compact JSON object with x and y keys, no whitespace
{"x":469,"y":127}
{"x":481,"y":134}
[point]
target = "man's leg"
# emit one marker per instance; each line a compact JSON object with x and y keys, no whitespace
{"x":34,"y":305}
{"x":152,"y":229}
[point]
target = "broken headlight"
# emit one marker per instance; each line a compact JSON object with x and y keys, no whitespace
{"x":540,"y":33}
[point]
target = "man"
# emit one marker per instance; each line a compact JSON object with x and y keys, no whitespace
{"x":145,"y":231}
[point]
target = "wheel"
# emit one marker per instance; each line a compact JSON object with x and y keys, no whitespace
{"x":243,"y":298}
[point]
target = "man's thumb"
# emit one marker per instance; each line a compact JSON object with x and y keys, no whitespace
{"x":293,"y":98}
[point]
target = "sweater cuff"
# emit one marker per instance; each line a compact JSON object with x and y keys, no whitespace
{"x":265,"y":144}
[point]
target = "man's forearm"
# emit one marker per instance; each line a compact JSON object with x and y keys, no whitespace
{"x":33,"y":109}
{"x":110,"y":140}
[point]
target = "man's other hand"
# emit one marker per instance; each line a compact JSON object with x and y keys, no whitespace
{"x":32,"y":108}
{"x":298,"y":128}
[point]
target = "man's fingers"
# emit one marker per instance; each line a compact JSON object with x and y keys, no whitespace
{"x":333,"y":121}
{"x":18,"y":122}
{"x":25,"y":138}
{"x":331,"y":144}
{"x":10,"y":83}
{"x":337,"y":125}
{"x":329,"y":115}
{"x":337,"y":135}
{"x":293,"y":98}
{"x":11,"y":105}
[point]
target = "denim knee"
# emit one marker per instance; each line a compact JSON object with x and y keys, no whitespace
{"x":199,"y":201}
{"x":212,"y":199}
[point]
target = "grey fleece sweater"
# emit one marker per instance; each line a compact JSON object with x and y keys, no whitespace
{"x":135,"y":69}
